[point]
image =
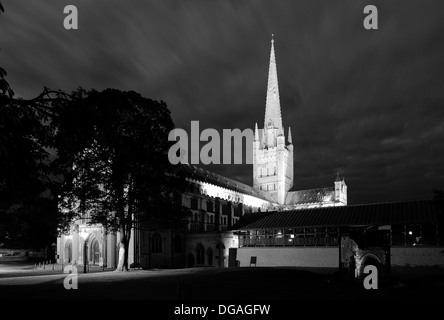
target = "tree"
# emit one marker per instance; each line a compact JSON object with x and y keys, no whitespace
{"x":4,"y":85}
{"x":28,"y":210}
{"x":22,"y":160}
{"x":120,"y":174}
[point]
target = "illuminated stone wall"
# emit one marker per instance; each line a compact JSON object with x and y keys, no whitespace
{"x":325,"y":257}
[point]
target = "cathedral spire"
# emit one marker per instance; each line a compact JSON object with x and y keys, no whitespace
{"x":256,"y":133}
{"x":273,"y":118}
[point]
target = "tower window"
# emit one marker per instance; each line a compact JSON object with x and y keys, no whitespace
{"x":194,"y":203}
{"x":210,"y":206}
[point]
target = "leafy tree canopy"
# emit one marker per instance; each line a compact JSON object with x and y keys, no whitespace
{"x":120,"y":176}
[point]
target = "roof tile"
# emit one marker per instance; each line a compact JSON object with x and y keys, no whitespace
{"x":422,"y":211}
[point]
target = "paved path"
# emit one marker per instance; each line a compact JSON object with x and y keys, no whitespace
{"x":207,"y":284}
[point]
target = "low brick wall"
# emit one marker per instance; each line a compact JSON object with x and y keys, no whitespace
{"x":20,"y":254}
{"x":420,"y":260}
{"x":323,"y":257}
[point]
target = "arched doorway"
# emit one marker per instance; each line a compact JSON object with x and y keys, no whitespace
{"x":210,"y":256}
{"x":200,"y":254}
{"x":94,"y":251}
{"x":219,"y":256}
{"x":190,"y":260}
{"x":68,"y":251}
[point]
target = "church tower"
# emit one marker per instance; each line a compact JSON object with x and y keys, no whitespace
{"x":272,"y":155}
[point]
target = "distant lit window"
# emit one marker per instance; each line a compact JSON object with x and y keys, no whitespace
{"x":414,"y":236}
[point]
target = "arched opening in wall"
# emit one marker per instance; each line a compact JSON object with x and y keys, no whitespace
{"x":94,"y":251}
{"x":68,"y":251}
{"x":210,"y":256}
{"x":370,"y":260}
{"x":219,"y":256}
{"x":156,"y":243}
{"x":190,"y":260}
{"x":200,"y":254}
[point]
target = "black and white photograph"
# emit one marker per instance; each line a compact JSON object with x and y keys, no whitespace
{"x":222,"y":158}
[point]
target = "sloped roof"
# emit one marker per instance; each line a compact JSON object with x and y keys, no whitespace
{"x":199,"y":174}
{"x":423,"y":211}
{"x":310,"y":196}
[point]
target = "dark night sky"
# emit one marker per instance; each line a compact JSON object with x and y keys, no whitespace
{"x":369,"y":104}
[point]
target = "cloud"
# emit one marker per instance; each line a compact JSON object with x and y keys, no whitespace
{"x":368,"y":104}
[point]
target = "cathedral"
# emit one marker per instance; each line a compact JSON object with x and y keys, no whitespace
{"x":215,"y":204}
{"x":273,"y":158}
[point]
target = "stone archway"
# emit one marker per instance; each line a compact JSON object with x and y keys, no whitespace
{"x":94,"y":251}
{"x":369,"y":259}
{"x":67,"y":257}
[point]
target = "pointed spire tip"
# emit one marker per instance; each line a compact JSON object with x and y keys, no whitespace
{"x":290,"y":140}
{"x":337,"y":177}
